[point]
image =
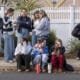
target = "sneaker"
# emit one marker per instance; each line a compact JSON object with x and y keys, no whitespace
{"x":43,"y":70}
{"x":11,"y":61}
{"x":19,"y":70}
{"x":77,"y":58}
{"x":27,"y":70}
{"x":14,"y":60}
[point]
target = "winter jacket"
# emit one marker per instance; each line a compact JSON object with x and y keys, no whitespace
{"x":24,"y":22}
{"x":8,"y":26}
{"x":23,"y":49}
{"x":76,"y":31}
{"x":43,"y":28}
{"x":61,"y":49}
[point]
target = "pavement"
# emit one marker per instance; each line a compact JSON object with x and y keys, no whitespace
{"x":34,"y":76}
{"x":75,"y":64}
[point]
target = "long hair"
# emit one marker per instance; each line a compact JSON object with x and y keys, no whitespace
{"x":59,"y":40}
{"x":44,"y":14}
{"x":36,"y":12}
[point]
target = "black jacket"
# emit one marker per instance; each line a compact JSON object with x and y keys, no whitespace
{"x":24,"y":22}
{"x":62,"y":49}
{"x":76,"y":31}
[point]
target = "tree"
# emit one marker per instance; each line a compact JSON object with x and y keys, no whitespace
{"x":28,"y":4}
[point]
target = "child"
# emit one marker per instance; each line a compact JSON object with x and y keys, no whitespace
{"x":40,"y":54}
{"x":44,"y":55}
{"x":57,"y":56}
{"x":22,"y":53}
{"x":37,"y":50}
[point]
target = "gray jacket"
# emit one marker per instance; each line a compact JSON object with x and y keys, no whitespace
{"x":43,"y":28}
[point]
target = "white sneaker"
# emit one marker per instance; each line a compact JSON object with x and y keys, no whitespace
{"x":78,"y":58}
{"x":14,"y":60}
{"x":19,"y":70}
{"x":11,"y":61}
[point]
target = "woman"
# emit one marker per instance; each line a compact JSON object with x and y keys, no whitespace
{"x":35,"y":23}
{"x":8,"y":36}
{"x":24,"y":24}
{"x":22,"y":53}
{"x":42,"y":28}
{"x":57,"y":56}
{"x":44,"y":55}
{"x":35,"y":19}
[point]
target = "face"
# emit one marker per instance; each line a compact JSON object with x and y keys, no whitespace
{"x":11,"y":14}
{"x":57,"y":44}
{"x":22,"y":41}
{"x":23,"y":13}
{"x":40,"y":15}
{"x":44,"y":43}
{"x":36,"y":15}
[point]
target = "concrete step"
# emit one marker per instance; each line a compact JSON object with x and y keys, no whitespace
{"x":12,"y":66}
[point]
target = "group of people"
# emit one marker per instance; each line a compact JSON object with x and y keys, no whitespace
{"x":26,"y":53}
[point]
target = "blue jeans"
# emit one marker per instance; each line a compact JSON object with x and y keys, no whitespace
{"x":8,"y":47}
{"x":24,"y":33}
{"x":35,"y":37}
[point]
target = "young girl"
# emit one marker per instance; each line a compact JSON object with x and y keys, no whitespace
{"x":40,"y":54}
{"x":22,"y":53}
{"x":57,"y":56}
{"x":44,"y":55}
{"x":35,"y":23}
{"x":8,"y":36}
{"x":36,"y":53}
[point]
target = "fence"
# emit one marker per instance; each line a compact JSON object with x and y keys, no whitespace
{"x":62,"y":20}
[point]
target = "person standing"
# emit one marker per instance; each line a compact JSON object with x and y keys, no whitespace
{"x":76,"y":33}
{"x":1,"y":26}
{"x":35,"y":23}
{"x":43,"y":28}
{"x":8,"y":36}
{"x":24,"y":25}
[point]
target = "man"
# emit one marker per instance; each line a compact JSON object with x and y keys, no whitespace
{"x":24,"y":24}
{"x":76,"y":34}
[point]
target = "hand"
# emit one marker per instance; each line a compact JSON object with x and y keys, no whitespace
{"x":53,"y":53}
{"x":41,"y":51}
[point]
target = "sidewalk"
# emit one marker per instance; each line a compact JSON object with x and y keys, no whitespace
{"x":12,"y":66}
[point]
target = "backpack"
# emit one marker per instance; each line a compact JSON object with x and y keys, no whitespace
{"x":76,"y":31}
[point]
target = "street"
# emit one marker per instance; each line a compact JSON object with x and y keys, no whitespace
{"x":34,"y":76}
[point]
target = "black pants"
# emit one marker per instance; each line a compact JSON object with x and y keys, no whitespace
{"x":23,"y":60}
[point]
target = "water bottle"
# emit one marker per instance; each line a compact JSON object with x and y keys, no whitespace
{"x":49,"y":67}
